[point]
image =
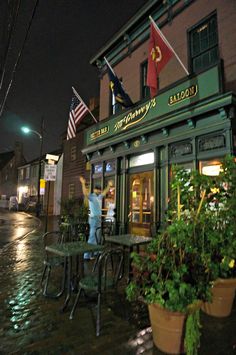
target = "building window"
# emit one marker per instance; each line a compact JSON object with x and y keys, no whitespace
{"x":210,"y":168}
{"x":145,"y":92}
{"x":203,"y":40}
{"x":34,"y":171}
{"x":71,"y":193}
{"x":110,"y":166}
{"x":27,"y":172}
{"x":97,"y":168}
{"x":21,"y":174}
{"x":73,"y":153}
{"x":143,"y":159}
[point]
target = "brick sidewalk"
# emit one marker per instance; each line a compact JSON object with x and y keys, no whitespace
{"x":32,"y":324}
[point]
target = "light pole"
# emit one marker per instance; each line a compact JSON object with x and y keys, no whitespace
{"x":28,"y":130}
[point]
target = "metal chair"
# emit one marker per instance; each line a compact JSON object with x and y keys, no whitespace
{"x":107,"y":227}
{"x":109,"y":270}
{"x":100,"y":240}
{"x":51,"y":261}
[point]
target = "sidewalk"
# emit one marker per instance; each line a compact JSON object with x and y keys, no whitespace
{"x":32,"y":324}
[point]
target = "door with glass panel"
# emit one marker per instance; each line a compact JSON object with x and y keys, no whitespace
{"x":141,"y":203}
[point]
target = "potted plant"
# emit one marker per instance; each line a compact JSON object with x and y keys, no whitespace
{"x":221,"y":241}
{"x":74,"y":216}
{"x":173,"y":278}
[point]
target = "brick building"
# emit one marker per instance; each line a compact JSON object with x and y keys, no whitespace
{"x":191,"y":121}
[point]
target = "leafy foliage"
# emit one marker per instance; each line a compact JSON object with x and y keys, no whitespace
{"x":196,"y":247}
{"x":74,"y":210}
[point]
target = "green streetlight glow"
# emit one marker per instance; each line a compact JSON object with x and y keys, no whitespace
{"x":25,"y":129}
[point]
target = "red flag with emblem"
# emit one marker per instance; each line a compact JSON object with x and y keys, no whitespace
{"x":159,"y":55}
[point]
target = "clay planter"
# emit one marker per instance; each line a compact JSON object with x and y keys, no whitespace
{"x":167,"y":329}
{"x":223,"y":292}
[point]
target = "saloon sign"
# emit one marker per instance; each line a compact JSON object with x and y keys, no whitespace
{"x":190,"y":91}
{"x":135,"y":116}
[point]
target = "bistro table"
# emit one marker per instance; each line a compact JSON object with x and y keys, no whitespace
{"x":68,"y":250}
{"x":129,"y":241}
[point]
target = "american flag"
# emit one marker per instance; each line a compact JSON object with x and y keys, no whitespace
{"x":78,"y":110}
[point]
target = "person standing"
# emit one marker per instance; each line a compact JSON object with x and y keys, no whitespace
{"x":95,"y":206}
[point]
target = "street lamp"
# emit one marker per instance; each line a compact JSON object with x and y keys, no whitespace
{"x":28,"y":130}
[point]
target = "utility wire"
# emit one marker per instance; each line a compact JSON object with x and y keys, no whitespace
{"x":10,"y":39}
{"x":18,"y":58}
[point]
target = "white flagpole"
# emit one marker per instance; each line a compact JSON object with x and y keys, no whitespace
{"x":168,"y":44}
{"x":77,"y":95}
{"x":108,"y":64}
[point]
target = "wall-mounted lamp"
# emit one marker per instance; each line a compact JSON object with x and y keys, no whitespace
{"x":99,"y":153}
{"x":112,"y":148}
{"x":222,"y":113}
{"x":165,"y":132}
{"x":127,"y":144}
{"x":144,"y":139}
{"x":88,"y":157}
{"x":191,"y":123}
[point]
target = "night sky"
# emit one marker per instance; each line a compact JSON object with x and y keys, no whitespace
{"x":64,"y":36}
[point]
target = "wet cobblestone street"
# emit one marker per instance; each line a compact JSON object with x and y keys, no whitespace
{"x":33,"y":324}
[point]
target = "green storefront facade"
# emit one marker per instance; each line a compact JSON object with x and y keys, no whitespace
{"x":191,"y":123}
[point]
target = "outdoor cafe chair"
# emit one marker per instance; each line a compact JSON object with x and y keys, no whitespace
{"x":52,"y":262}
{"x":100,"y":240}
{"x":105,"y":279}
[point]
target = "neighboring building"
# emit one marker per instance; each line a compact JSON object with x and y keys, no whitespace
{"x":74,"y":162}
{"x":28,"y":180}
{"x":190,"y":122}
{"x":9,"y":163}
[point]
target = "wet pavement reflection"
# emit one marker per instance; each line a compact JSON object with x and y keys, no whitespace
{"x":15,"y":225}
{"x":33,"y":324}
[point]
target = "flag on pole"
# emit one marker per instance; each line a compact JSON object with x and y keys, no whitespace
{"x":78,"y":109}
{"x":158,"y":56}
{"x":160,"y":52}
{"x":117,"y":89}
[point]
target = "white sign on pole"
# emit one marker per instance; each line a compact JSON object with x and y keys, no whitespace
{"x":50,"y":172}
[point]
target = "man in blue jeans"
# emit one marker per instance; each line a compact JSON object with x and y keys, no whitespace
{"x":95,"y":207}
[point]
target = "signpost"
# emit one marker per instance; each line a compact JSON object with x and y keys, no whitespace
{"x":50,"y":173}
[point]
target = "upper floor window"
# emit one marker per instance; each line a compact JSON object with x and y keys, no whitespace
{"x":34,"y":171}
{"x":27,"y":172}
{"x":203,"y":41}
{"x":145,"y":92}
{"x":73,"y":153}
{"x":71,"y":191}
{"x":21,"y":174}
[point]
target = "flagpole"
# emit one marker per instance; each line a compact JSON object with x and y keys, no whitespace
{"x":168,"y":44}
{"x":77,"y":95}
{"x":108,"y":64}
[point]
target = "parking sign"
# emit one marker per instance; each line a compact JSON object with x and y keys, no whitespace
{"x":50,"y":172}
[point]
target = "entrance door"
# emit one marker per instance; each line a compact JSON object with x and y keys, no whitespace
{"x":141,"y":203}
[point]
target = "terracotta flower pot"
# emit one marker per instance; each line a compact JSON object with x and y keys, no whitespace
{"x":223,"y":292}
{"x":167,"y":329}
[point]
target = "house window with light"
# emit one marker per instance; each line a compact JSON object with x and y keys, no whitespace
{"x":21,"y":174}
{"x":27,"y":172}
{"x":203,"y":43}
{"x":34,"y":171}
